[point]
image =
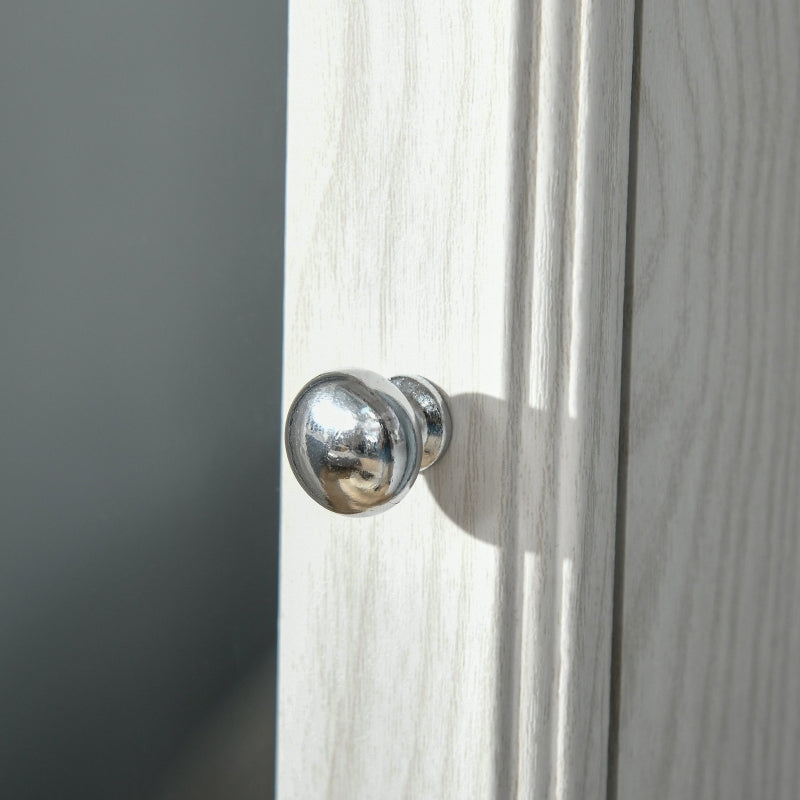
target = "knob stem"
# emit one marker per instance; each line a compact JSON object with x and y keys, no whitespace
{"x":430,"y":408}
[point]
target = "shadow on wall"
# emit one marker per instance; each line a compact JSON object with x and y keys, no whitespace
{"x":141,"y":228}
{"x":232,"y":755}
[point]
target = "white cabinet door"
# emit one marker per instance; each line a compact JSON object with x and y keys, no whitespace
{"x":456,"y":197}
{"x":708,"y":645}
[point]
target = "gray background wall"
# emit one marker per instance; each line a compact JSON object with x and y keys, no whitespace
{"x":141,"y":226}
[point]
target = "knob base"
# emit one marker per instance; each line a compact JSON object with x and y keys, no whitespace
{"x":430,"y":407}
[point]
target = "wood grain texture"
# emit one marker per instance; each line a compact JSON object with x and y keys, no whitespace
{"x":709,"y":686}
{"x":456,"y":207}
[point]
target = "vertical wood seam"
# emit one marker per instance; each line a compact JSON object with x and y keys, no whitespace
{"x":624,"y":415}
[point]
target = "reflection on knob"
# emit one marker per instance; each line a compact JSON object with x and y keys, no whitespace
{"x":357,"y":441}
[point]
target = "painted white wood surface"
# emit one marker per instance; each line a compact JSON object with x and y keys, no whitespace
{"x":456,"y":195}
{"x":709,"y":689}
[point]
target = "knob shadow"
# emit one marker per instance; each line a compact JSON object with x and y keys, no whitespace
{"x":499,"y":460}
{"x":478,"y":480}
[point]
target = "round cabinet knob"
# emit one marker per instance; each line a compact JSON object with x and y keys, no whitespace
{"x":357,"y":441}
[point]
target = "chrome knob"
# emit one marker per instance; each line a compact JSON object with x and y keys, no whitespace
{"x":357,"y":441}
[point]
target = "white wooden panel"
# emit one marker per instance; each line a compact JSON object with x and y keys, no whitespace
{"x":455,"y":207}
{"x":710,"y":643}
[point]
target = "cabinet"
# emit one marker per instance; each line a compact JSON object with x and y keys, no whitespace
{"x":581,"y":220}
